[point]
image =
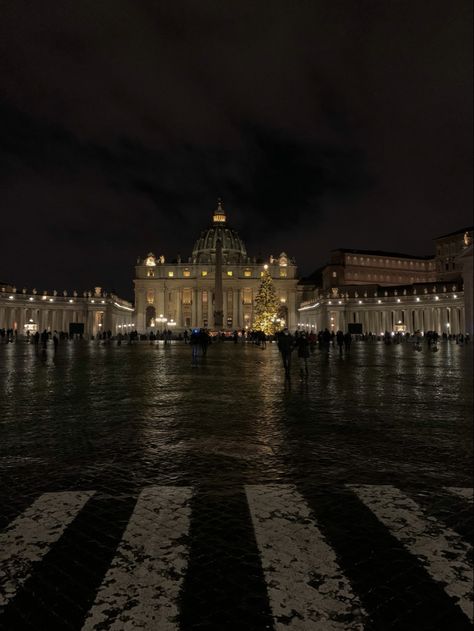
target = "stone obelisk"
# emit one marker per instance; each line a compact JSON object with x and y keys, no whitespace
{"x":218,"y":293}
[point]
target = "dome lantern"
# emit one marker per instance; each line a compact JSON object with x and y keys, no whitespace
{"x":219,"y":213}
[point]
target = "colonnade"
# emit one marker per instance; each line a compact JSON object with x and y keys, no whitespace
{"x":56,"y":314}
{"x":446,"y":318}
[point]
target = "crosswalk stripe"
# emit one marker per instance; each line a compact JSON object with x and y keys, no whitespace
{"x":141,"y":588}
{"x":29,"y":537}
{"x":442,"y":551}
{"x":465,"y":493}
{"x":305,"y":585}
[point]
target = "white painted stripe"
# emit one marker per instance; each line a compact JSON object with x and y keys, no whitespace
{"x":141,"y":588}
{"x":443,"y":553}
{"x":305,"y":585}
{"x":465,"y":493}
{"x":29,"y":537}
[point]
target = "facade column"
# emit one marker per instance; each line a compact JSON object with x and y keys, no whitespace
{"x":235,"y":309}
{"x":194,"y":308}
{"x":178,"y":308}
{"x":90,"y":323}
{"x":199,"y":308}
{"x":241,"y":322}
{"x":224,"y":309}
{"x":160,"y":303}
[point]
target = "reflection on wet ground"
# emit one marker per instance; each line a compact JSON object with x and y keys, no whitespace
{"x":133,"y":415}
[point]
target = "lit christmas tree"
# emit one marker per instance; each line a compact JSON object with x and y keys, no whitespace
{"x":266,"y":306}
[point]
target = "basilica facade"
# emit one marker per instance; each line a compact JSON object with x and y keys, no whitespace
{"x":214,"y":288}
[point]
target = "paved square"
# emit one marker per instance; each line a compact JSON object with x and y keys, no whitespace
{"x":140,"y":491}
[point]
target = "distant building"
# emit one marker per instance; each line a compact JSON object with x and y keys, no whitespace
{"x":189,"y":293}
{"x":362,"y":267}
{"x":385,"y":291}
{"x":448,"y":249}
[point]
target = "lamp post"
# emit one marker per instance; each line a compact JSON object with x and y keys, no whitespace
{"x":162,"y":320}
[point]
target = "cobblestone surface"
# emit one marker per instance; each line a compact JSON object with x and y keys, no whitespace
{"x":125,"y":423}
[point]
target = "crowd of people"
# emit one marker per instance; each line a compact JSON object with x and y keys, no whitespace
{"x":301,"y":343}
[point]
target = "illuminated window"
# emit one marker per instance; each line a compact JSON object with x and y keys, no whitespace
{"x":171,"y":274}
{"x":204,"y":296}
{"x":186,"y":273}
{"x":247,"y":297}
{"x":150,"y":296}
{"x":334,"y":274}
{"x":230,"y":273}
{"x":150,"y":273}
{"x":187,"y":296}
{"x":204,"y":272}
{"x":247,"y":273}
{"x":283,"y":272}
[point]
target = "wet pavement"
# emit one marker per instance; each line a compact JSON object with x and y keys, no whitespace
{"x":141,"y":492}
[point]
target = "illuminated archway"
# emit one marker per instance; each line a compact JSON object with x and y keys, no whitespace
{"x":150,"y":316}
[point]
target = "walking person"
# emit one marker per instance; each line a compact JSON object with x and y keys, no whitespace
{"x":303,"y":353}
{"x":195,"y":342}
{"x":285,"y":346}
{"x":204,"y":339}
{"x":347,"y":342}
{"x":340,"y":341}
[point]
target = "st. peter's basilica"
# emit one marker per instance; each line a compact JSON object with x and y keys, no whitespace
{"x":216,"y":287}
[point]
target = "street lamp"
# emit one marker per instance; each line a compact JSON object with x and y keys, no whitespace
{"x":162,"y":321}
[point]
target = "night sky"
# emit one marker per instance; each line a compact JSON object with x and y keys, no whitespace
{"x":321,"y":124}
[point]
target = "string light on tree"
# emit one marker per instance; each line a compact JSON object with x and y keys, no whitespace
{"x":266,"y":305}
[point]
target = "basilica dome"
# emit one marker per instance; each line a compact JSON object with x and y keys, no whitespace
{"x":233,"y":248}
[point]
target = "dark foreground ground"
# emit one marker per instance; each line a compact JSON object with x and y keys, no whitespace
{"x":141,"y":492}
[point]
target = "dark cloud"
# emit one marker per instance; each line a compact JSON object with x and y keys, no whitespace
{"x":321,"y":124}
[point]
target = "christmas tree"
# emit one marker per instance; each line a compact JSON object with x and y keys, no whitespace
{"x":266,"y":306}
